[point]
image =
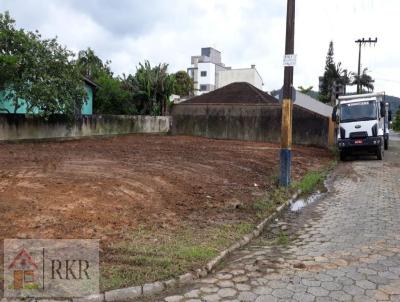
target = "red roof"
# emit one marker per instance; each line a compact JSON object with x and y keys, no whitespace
{"x":23,"y":255}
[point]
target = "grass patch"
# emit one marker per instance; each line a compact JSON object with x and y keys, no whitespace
{"x":152,"y":255}
{"x":314,"y":180}
{"x":310,"y":182}
{"x":263,"y":206}
{"x":282,"y":239}
{"x":196,"y":252}
{"x":226,"y":234}
{"x":266,"y":205}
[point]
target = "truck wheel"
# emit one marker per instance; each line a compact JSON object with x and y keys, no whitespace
{"x":386,"y":143}
{"x":379,"y":153}
{"x":342,"y":156}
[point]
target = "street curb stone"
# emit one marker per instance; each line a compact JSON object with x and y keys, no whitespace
{"x":153,"y":288}
{"x":123,"y":293}
{"x":91,"y":298}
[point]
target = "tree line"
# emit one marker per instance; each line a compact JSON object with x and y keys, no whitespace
{"x":396,"y":122}
{"x":49,"y":77}
{"x":335,"y":74}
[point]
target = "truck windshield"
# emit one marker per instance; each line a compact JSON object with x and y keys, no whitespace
{"x":360,"y":111}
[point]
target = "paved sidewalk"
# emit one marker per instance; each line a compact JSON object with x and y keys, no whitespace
{"x":345,"y":247}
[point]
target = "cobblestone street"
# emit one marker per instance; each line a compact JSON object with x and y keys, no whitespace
{"x":344,"y":247}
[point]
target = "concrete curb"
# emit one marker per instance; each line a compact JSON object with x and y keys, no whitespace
{"x":150,"y":289}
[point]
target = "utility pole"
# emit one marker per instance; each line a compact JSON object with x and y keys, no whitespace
{"x":362,"y":42}
{"x":287,"y":103}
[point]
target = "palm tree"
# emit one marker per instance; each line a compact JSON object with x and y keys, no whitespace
{"x":305,"y":90}
{"x":342,"y":75}
{"x":365,"y":80}
{"x":154,"y":86}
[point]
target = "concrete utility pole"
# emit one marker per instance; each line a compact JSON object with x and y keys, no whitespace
{"x":287,"y":103}
{"x":360,"y":43}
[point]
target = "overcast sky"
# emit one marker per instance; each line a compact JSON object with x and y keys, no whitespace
{"x":245,"y":31}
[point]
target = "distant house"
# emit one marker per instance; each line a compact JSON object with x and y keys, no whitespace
{"x":209,"y":73}
{"x":87,"y":108}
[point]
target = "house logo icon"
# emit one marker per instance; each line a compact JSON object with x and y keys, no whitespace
{"x":23,"y":269}
{"x":46,"y":268}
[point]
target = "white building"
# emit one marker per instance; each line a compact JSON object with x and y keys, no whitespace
{"x":249,"y":75}
{"x":209,"y":73}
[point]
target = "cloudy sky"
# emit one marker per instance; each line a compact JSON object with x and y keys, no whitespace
{"x":246,"y":32}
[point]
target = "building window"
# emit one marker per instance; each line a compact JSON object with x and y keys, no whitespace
{"x":203,"y":73}
{"x":203,"y":87}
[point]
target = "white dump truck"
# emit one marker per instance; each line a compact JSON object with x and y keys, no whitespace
{"x":362,"y":124}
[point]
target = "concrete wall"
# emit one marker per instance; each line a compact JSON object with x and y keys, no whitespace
{"x":34,"y":127}
{"x":248,"y":122}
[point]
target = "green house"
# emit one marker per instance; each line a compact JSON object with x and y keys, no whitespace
{"x":87,"y":108}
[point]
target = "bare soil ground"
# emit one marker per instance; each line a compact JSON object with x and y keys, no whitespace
{"x":108,"y":188}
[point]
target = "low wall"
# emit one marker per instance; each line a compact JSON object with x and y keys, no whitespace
{"x":20,"y":126}
{"x":248,"y":122}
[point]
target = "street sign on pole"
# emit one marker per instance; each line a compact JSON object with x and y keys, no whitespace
{"x":289,"y":60}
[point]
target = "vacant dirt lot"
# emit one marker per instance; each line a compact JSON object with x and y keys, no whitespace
{"x":108,"y":188}
{"x":97,"y":188}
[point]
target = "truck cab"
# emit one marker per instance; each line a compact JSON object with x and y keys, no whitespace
{"x":362,"y":124}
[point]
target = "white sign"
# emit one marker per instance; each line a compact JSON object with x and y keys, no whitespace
{"x":289,"y":60}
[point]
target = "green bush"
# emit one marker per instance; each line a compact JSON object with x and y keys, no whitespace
{"x":310,"y":182}
{"x":396,"y":122}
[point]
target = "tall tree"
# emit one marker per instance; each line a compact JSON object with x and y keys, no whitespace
{"x":40,"y":71}
{"x":333,"y":75}
{"x":112,"y":97}
{"x":13,"y":44}
{"x":90,"y":65}
{"x":183,"y":84}
{"x":396,"y":122}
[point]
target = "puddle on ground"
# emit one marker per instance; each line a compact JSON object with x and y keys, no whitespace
{"x":301,"y":203}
